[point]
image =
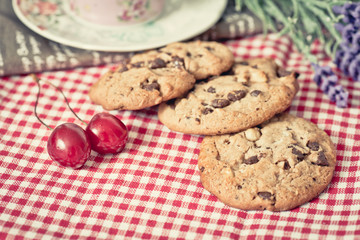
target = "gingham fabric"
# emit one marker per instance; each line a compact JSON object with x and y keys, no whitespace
{"x":152,"y":189}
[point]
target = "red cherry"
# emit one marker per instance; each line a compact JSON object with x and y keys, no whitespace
{"x":107,"y":133}
{"x":69,"y":145}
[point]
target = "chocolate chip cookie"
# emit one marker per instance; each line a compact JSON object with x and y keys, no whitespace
{"x":278,"y":165}
{"x":144,"y":80}
{"x":226,"y":104}
{"x":153,"y":59}
{"x":202,"y":59}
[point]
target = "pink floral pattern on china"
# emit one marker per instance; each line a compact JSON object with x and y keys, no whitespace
{"x":116,"y":12}
{"x":43,"y":11}
{"x":179,"y":20}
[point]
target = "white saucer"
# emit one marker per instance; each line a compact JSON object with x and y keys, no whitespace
{"x":181,"y":20}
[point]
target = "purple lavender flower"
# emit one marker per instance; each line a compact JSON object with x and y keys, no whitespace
{"x":348,"y":32}
{"x":347,"y":10}
{"x":347,"y":55}
{"x":345,"y":62}
{"x":355,"y":44}
{"x":339,"y":27}
{"x":339,"y":55}
{"x":320,"y":72}
{"x":326,"y":79}
{"x":337,"y":9}
{"x":356,"y":15}
{"x":339,"y":95}
{"x":328,"y":82}
{"x":348,"y":7}
{"x":356,"y":12}
{"x":354,"y":68}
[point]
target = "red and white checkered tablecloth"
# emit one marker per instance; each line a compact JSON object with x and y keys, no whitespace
{"x":152,"y":189}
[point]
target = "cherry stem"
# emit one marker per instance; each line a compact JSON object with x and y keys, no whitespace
{"x":37,"y":80}
{"x":37,"y":101}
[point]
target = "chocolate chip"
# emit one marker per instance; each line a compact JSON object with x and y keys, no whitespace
{"x":297,"y":75}
{"x":300,"y":156}
{"x":137,"y":64}
{"x":255,"y":93}
{"x":171,"y":102}
{"x":281,"y":72}
{"x":254,"y":66}
{"x":157,"y":63}
{"x":202,"y":168}
{"x":206,"y":111}
{"x":322,"y":160}
{"x":220,"y":103}
{"x":202,"y":82}
{"x":265,"y":195}
{"x":150,"y":86}
{"x":197,"y":120}
{"x":123,"y":69}
{"x":210,"y":48}
{"x":243,"y":63}
{"x":313,"y":146}
{"x":227,"y":141}
{"x":188,"y":54}
{"x":236,"y":95}
{"x":238,"y":187}
{"x":251,"y":160}
{"x":211,"y":90}
{"x":178,"y":61}
{"x":286,"y":165}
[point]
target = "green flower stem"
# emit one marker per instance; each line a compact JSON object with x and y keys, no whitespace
{"x":310,"y":26}
{"x":238,"y":5}
{"x":303,"y":20}
{"x":256,"y":9}
{"x":326,"y":21}
{"x":274,"y":11}
{"x":296,"y":9}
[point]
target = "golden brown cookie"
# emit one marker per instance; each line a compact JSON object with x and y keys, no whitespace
{"x":149,"y":78}
{"x":226,"y":104}
{"x":145,"y":80}
{"x":202,"y":59}
{"x":277,"y":166}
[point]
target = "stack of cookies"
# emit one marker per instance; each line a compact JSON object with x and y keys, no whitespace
{"x":254,"y":156}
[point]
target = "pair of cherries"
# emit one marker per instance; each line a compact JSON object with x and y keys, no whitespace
{"x":70,"y":145}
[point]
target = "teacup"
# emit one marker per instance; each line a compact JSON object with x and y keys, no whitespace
{"x":115,"y":12}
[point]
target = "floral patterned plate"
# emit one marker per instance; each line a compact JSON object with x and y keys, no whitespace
{"x":180,"y":20}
